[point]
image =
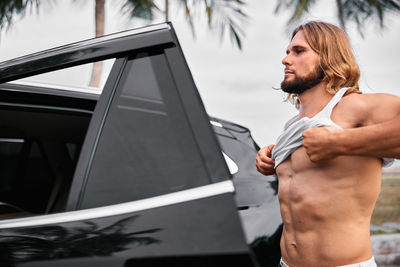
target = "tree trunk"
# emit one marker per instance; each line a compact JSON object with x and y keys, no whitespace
{"x":166,"y":11}
{"x":99,"y":20}
{"x":340,"y":14}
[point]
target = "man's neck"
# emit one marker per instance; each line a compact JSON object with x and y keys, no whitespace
{"x":313,"y":100}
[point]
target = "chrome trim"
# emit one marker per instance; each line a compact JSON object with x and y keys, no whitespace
{"x":144,"y":29}
{"x":12,"y":140}
{"x":124,"y":208}
{"x":215,"y":123}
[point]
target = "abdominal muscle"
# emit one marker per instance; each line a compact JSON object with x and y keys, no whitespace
{"x":326,"y":209}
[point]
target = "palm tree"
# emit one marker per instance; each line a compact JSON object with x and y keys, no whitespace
{"x":221,"y":14}
{"x":99,"y":29}
{"x":357,"y":11}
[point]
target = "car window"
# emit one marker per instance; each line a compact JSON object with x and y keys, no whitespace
{"x":40,"y":143}
{"x":73,"y":77}
{"x":25,"y":176}
{"x":146,"y":143}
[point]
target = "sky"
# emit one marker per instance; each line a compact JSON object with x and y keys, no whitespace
{"x":234,"y":85}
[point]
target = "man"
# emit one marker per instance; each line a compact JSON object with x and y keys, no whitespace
{"x":328,"y":159}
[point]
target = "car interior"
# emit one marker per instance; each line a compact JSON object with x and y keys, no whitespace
{"x":39,"y":148}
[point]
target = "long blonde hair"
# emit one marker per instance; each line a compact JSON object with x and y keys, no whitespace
{"x":336,"y":57}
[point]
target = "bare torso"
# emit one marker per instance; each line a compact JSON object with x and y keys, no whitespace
{"x":326,"y":207}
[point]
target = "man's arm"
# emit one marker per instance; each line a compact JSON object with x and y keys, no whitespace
{"x":379,"y":139}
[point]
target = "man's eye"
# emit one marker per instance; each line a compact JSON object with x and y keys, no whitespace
{"x":299,"y":51}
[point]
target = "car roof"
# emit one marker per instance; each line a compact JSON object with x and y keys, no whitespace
{"x":91,"y":50}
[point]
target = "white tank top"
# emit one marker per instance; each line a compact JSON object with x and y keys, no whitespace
{"x":292,"y":138}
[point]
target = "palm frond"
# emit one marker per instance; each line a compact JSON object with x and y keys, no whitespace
{"x":299,"y":8}
{"x":362,"y":10}
{"x":357,"y":11}
{"x":235,"y":36}
{"x":144,"y":9}
{"x":228,"y":14}
{"x":10,"y":9}
{"x":221,"y":15}
{"x":188,"y":15}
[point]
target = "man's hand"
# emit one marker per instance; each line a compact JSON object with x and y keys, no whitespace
{"x":320,"y":143}
{"x":264,"y":162}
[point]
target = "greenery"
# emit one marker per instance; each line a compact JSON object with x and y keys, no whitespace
{"x":223,"y":15}
{"x":380,"y":232}
{"x":358,"y":11}
{"x":387,"y":208}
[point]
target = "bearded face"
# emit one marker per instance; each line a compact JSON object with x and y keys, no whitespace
{"x":300,"y":84}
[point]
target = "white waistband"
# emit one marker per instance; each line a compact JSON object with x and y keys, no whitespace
{"x":368,"y":263}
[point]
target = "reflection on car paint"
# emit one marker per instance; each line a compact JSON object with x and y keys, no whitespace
{"x":84,"y":239}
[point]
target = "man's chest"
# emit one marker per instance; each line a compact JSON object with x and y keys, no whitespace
{"x":299,"y":163}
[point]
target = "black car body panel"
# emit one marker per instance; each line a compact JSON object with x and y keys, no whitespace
{"x":134,"y":177}
{"x":154,"y":232}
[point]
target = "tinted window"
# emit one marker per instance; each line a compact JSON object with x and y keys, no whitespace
{"x":141,"y":82}
{"x":39,"y":148}
{"x":25,"y":176}
{"x":146,"y":147}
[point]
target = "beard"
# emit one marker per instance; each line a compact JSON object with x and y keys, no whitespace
{"x":301,"y":84}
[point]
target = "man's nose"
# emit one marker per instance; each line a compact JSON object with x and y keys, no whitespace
{"x":286,"y":60}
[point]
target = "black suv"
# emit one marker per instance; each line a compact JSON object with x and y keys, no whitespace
{"x":138,"y":175}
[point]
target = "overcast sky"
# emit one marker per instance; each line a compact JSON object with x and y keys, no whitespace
{"x":234,"y":85}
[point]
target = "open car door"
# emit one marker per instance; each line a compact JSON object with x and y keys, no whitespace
{"x":151,"y":186}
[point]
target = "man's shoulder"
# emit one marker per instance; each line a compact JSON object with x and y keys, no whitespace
{"x":369,"y":107}
{"x":368,"y":100}
{"x":354,"y":102}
